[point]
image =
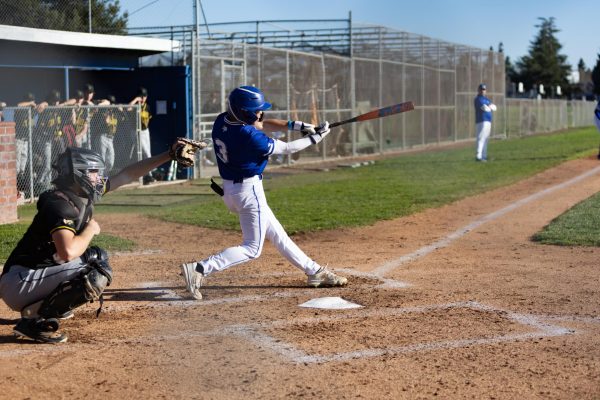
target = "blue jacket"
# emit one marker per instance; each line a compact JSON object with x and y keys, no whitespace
{"x":480,"y":115}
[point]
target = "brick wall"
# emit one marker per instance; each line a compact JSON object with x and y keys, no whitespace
{"x":8,"y":173}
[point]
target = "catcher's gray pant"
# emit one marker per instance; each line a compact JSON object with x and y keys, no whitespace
{"x":248,"y":200}
{"x":483,"y":130}
{"x":23,"y":286}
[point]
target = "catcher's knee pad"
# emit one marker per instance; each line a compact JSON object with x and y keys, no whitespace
{"x":86,"y":288}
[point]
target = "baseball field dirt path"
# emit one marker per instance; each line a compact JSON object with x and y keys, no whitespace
{"x":458,"y":302}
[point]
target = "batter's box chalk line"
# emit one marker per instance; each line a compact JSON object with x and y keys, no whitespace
{"x":255,"y":333}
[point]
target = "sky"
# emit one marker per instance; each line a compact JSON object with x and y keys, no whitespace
{"x":481,"y":23}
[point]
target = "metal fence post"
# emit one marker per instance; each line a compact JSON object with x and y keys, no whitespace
{"x":323,"y":100}
{"x":288,"y":101}
{"x":138,"y":131}
{"x":380,"y":87}
{"x":30,"y":153}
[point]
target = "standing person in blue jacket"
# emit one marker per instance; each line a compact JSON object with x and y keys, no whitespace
{"x":483,"y":122}
{"x":243,"y":148}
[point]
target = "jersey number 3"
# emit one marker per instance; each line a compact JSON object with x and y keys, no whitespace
{"x":222,"y":151}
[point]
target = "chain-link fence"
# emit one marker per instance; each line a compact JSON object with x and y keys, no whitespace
{"x":339,"y":73}
{"x":42,"y":133}
{"x":529,"y":116}
{"x":385,"y":67}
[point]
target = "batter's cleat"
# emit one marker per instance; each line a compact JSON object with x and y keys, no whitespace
{"x":326,"y":278}
{"x":40,"y":330}
{"x":193,"y":279}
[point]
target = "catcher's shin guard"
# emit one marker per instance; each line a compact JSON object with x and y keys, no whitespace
{"x":86,"y":288}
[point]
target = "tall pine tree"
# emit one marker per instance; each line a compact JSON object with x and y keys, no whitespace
{"x":544,"y":64}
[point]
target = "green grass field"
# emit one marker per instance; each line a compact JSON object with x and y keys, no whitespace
{"x":393,"y":187}
{"x":390,"y":188}
{"x":580,"y":226}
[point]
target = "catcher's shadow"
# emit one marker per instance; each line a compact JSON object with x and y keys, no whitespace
{"x":11,"y":339}
{"x":5,"y":321}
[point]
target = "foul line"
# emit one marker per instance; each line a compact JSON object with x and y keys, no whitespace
{"x":423,"y":251}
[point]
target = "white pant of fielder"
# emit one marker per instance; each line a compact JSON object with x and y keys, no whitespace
{"x":247,"y":199}
{"x":483,"y":130}
{"x":145,"y":143}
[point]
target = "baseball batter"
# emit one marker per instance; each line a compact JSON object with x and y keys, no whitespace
{"x":483,"y":121}
{"x":243,"y":148}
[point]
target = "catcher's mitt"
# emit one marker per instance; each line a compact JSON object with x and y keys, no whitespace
{"x":184,"y":150}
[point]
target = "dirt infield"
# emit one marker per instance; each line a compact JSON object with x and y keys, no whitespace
{"x":457,"y":303}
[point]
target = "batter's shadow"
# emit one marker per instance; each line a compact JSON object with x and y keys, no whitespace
{"x":157,"y":294}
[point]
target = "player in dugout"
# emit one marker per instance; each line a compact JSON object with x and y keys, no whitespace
{"x":53,"y":269}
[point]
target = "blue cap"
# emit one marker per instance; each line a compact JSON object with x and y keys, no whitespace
{"x":482,"y":87}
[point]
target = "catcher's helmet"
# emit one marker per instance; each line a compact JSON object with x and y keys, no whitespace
{"x":73,"y":168}
{"x":244,"y":102}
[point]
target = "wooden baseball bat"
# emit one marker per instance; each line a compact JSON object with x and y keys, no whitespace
{"x":380,"y":113}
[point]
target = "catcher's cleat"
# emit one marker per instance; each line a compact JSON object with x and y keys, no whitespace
{"x":193,"y":279}
{"x":40,"y":330}
{"x":326,"y":278}
{"x":67,"y":315}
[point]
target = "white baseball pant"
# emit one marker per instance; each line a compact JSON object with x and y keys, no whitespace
{"x":483,"y":130}
{"x":145,"y":143}
{"x":107,"y":152}
{"x":248,"y":200}
{"x":22,"y":153}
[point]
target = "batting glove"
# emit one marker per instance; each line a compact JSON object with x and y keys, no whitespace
{"x":321,"y":131}
{"x":304,"y":127}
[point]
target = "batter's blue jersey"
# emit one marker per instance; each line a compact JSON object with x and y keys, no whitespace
{"x":481,"y":115}
{"x":242,"y":150}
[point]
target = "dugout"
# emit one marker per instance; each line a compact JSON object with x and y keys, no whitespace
{"x":39,"y":60}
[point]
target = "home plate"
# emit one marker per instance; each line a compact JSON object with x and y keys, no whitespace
{"x":332,"y":303}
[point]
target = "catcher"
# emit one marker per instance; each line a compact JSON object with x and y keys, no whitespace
{"x":53,"y":269}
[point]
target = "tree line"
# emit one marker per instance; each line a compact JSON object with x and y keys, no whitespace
{"x":65,"y":15}
{"x":545,"y":65}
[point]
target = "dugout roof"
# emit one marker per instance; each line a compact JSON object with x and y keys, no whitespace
{"x":39,"y":60}
{"x":44,"y":48}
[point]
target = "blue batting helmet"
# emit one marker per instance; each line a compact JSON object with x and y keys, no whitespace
{"x":244,"y":102}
